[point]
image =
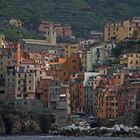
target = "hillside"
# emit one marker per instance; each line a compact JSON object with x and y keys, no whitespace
{"x":83,"y":15}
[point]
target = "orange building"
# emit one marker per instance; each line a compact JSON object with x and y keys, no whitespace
{"x":107,"y":103}
{"x":56,"y":60}
{"x":71,"y":49}
{"x":71,"y":66}
{"x":118,"y":78}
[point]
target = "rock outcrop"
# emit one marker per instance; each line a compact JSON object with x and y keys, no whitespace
{"x":25,"y":127}
{"x":2,"y":126}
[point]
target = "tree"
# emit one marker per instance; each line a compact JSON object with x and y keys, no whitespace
{"x":11,"y":35}
{"x":135,"y":34}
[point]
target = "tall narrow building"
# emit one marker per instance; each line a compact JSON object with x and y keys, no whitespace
{"x":51,"y":35}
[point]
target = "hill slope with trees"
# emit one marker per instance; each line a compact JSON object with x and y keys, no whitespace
{"x":83,"y":15}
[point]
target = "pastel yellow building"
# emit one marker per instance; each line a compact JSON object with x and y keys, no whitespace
{"x":132,"y":60}
{"x":71,"y":49}
{"x":118,"y":31}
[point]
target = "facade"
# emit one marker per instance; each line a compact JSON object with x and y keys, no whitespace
{"x":61,"y":30}
{"x":136,"y":23}
{"x":9,"y":57}
{"x":97,"y":55}
{"x":97,"y":36}
{"x":131,"y":60}
{"x":68,"y":70}
{"x":51,"y":35}
{"x":71,"y":49}
{"x":10,"y":83}
{"x":118,"y":31}
{"x":25,"y":85}
{"x":54,"y":95}
{"x":89,"y":102}
{"x":33,"y":45}
{"x":88,"y":85}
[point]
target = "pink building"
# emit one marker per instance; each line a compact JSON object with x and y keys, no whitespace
{"x":67,"y":30}
{"x":61,"y":29}
{"x":80,"y":97}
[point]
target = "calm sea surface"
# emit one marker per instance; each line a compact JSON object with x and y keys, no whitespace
{"x":62,"y":138}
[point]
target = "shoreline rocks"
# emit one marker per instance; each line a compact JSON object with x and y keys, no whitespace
{"x":2,"y":127}
{"x":115,"y":131}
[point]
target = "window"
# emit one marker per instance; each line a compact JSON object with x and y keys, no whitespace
{"x":30,"y":75}
{"x":2,"y":92}
{"x":25,"y":102}
{"x":30,"y":88}
{"x":119,"y":76}
{"x":18,"y":75}
{"x":137,"y":62}
{"x":18,"y":81}
{"x":73,"y":74}
{"x":64,"y":73}
{"x":74,"y":67}
{"x":19,"y":88}
{"x":30,"y":81}
{"x":14,"y":50}
{"x":74,"y":61}
{"x":18,"y":95}
{"x":14,"y":61}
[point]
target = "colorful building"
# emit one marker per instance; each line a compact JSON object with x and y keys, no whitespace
{"x":61,"y":29}
{"x":71,"y":49}
{"x":118,"y":31}
{"x":131,"y":60}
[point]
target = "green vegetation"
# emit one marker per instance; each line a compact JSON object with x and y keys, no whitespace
{"x":11,"y":34}
{"x":83,"y":15}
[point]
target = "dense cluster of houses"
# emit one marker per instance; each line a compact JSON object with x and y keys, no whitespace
{"x":66,"y":78}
